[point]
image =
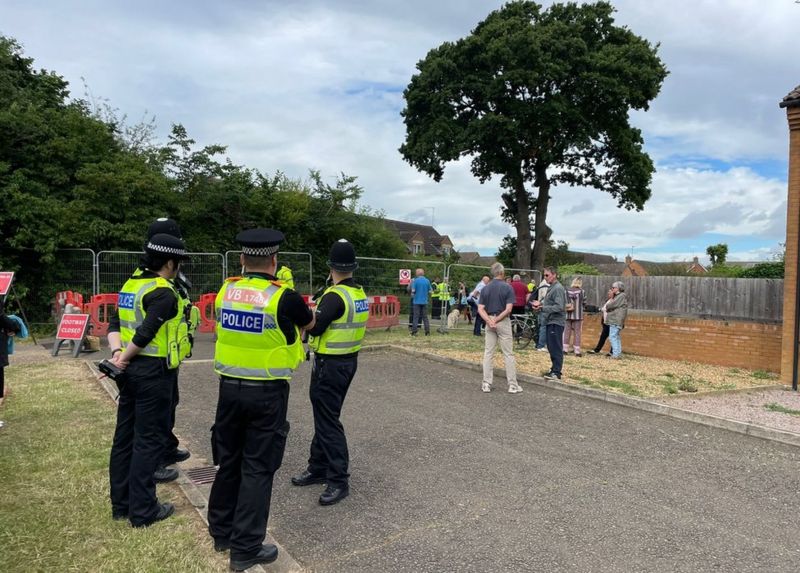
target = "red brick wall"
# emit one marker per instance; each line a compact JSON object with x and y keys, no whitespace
{"x":752,"y":345}
{"x":792,"y":232}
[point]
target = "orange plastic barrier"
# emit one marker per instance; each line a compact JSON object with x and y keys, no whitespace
{"x":384,"y":311}
{"x":99,"y":310}
{"x":63,"y":298}
{"x":206,"y":307}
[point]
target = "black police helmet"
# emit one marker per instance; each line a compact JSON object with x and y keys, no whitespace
{"x":165,"y":226}
{"x":342,"y":257}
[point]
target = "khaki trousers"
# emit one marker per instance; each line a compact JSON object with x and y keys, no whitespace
{"x":501,"y":335}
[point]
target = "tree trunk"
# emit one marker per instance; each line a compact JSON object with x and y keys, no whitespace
{"x":523,"y":223}
{"x":541,"y":231}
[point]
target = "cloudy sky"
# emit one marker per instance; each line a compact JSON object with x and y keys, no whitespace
{"x":293,"y":85}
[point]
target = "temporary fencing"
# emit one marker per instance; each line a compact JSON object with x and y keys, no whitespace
{"x":204,"y":271}
{"x":470,"y":275}
{"x":300,"y":264}
{"x":74,"y":270}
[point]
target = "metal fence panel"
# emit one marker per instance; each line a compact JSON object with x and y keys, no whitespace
{"x":301,"y":265}
{"x":471,"y":275}
{"x":205,"y":271}
{"x":382,"y":276}
{"x":707,"y":297}
{"x":74,"y":270}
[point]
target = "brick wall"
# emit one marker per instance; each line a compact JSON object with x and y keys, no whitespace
{"x":792,"y":232}
{"x":752,"y":345}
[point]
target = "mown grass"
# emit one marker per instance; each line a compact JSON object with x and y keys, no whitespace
{"x":633,"y":375}
{"x":54,"y":485}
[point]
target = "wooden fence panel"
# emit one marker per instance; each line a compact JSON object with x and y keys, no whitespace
{"x":708,"y":297}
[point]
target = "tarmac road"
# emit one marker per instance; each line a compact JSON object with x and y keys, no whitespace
{"x":446,"y":478}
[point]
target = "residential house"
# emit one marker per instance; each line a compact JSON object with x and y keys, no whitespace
{"x":421,"y":239}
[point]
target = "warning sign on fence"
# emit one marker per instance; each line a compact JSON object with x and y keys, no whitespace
{"x":5,"y":282}
{"x":405,"y":276}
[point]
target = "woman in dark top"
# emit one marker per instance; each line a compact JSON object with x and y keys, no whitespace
{"x":7,"y":328}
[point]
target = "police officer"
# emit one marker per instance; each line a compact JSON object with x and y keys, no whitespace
{"x":148,"y":339}
{"x":258,"y":347}
{"x":173,"y":453}
{"x":285,"y":276}
{"x":341,"y":320}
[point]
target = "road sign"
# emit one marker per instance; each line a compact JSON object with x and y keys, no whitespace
{"x":5,"y":282}
{"x":405,"y":276}
{"x":72,"y":329}
{"x":72,"y":326}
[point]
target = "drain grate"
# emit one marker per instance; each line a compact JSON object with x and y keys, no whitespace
{"x":202,"y":475}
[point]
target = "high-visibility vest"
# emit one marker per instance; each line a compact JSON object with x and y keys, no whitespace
{"x":185,"y":306}
{"x":344,"y":335}
{"x":443,"y":291}
{"x":250,"y":343}
{"x":284,"y":276}
{"x":172,"y":339}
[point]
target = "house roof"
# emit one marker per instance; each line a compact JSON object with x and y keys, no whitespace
{"x":792,"y":99}
{"x":433,"y":242}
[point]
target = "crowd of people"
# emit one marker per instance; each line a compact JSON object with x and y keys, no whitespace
{"x":490,"y":305}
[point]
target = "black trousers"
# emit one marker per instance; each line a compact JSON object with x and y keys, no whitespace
{"x":555,"y":346}
{"x":330,"y":380}
{"x":250,"y":437}
{"x":143,"y":416}
{"x":603,"y":338}
{"x":172,"y":442}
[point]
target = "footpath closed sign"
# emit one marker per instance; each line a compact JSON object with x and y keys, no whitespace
{"x":405,"y":276}
{"x":72,"y":329}
{"x":5,"y":282}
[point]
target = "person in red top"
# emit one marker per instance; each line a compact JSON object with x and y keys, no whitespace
{"x":520,"y":295}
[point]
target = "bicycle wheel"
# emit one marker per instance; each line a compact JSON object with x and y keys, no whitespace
{"x":523,"y":339}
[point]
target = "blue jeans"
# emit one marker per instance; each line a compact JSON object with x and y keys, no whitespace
{"x":616,"y":341}
{"x":542,"y":334}
{"x":476,"y":328}
{"x":420,"y":312}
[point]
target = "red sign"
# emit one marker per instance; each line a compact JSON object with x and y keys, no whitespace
{"x":72,"y":326}
{"x":5,"y":282}
{"x":405,"y":276}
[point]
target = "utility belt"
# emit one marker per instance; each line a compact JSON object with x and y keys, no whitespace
{"x":251,"y":383}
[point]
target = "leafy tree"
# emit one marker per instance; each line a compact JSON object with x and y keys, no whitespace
{"x":718,"y":253}
{"x":768,"y":270}
{"x":726,"y":271}
{"x":577,"y":269}
{"x":537,"y":97}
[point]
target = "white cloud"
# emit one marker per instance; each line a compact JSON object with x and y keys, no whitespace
{"x":310,"y":84}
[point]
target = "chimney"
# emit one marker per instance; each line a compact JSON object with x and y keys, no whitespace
{"x":791,"y":295}
{"x":628,"y":259}
{"x":696,"y":261}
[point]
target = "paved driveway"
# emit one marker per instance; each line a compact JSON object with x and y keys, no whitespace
{"x":446,"y":478}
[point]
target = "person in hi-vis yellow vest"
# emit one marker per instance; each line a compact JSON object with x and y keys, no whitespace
{"x":148,"y":338}
{"x":258,"y":348}
{"x":341,"y":320}
{"x":285,"y":276}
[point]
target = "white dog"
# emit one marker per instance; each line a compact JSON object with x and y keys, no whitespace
{"x":453,"y":318}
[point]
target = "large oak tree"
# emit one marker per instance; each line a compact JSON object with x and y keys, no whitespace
{"x":538,"y":98}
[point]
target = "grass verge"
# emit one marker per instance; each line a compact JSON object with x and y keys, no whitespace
{"x":54,"y":474}
{"x":633,"y":375}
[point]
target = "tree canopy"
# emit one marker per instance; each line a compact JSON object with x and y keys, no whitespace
{"x":73,"y":174}
{"x":538,"y":98}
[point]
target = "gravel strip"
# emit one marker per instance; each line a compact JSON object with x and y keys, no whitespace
{"x":747,"y":407}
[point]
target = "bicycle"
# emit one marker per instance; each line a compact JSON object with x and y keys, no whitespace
{"x":524,"y":329}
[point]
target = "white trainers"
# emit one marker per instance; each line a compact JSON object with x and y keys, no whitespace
{"x":542,"y":349}
{"x":486,"y":387}
{"x":514,"y":388}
